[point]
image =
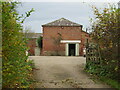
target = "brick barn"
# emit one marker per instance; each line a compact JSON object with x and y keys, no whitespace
{"x":32,"y":43}
{"x":63,"y":37}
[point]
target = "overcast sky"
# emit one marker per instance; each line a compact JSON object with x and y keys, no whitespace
{"x":45,"y":12}
{"x":69,"y":0}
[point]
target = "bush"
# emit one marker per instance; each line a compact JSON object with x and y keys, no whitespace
{"x":104,"y":33}
{"x":39,"y":41}
{"x":107,"y":70}
{"x":16,"y":68}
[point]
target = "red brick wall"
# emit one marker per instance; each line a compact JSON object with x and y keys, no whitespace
{"x":31,"y":45}
{"x":67,"y":33}
{"x":85,"y":36}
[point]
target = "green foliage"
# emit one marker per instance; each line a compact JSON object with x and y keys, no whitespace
{"x":105,"y":34}
{"x":106,"y":73}
{"x":27,"y":15}
{"x":107,"y":70}
{"x":100,"y":66}
{"x":39,"y":41}
{"x":111,"y":82}
{"x":16,"y":67}
{"x":106,"y":28}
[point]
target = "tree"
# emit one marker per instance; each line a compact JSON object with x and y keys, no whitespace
{"x":106,"y":34}
{"x":40,"y":42}
{"x":105,"y":28}
{"x":16,"y":69}
{"x":28,"y":33}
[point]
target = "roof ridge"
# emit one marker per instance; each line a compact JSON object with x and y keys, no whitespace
{"x":71,"y":21}
{"x":62,"y":22}
{"x":53,"y":21}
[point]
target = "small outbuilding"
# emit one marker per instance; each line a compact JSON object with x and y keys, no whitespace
{"x":32,"y":44}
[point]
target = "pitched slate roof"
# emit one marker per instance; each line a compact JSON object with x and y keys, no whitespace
{"x":33,"y":35}
{"x":62,"y":22}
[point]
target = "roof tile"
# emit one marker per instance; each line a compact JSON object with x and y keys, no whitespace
{"x":62,"y":22}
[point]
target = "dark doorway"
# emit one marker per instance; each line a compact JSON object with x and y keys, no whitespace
{"x":71,"y":49}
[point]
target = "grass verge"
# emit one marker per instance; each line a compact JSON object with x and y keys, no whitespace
{"x":111,"y":82}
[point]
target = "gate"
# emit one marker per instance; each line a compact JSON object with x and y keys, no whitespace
{"x":93,"y":53}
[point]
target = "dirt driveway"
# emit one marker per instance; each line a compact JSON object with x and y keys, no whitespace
{"x":62,"y":72}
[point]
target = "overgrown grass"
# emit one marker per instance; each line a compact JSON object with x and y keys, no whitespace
{"x":103,"y":73}
{"x":111,"y":82}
